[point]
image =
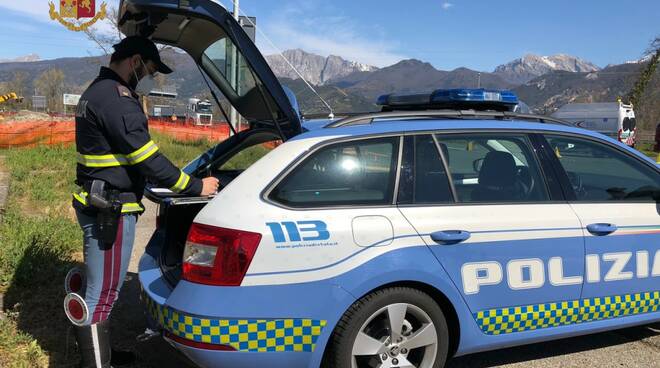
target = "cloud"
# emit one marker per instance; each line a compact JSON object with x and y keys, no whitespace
{"x":313,"y":25}
{"x":446,"y":5}
{"x":301,"y":25}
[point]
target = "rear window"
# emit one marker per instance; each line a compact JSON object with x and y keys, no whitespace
{"x":245,"y":158}
{"x":350,"y":173}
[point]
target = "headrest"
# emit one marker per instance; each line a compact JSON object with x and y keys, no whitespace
{"x":498,"y":170}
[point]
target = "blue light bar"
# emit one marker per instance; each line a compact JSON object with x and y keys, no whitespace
{"x":457,"y":98}
{"x":474,"y":95}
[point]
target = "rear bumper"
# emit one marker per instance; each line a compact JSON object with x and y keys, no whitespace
{"x":264,"y":326}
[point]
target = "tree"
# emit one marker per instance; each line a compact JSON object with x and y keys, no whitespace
{"x":19,"y":85}
{"x":653,"y":54}
{"x":51,"y":84}
{"x":104,"y":39}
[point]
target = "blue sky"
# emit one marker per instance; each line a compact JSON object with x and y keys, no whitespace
{"x":478,"y":34}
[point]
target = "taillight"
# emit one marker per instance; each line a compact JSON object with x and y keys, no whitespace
{"x":619,"y":135}
{"x":218,"y":256}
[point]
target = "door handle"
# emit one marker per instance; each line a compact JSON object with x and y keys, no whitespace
{"x":601,"y":229}
{"x":449,"y":237}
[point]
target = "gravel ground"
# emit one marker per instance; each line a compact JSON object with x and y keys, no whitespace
{"x":632,"y":347}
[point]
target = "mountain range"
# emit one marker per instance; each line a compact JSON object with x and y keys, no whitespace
{"x":530,"y":66}
{"x":543,"y":82}
{"x":22,"y":59}
{"x":316,"y":69}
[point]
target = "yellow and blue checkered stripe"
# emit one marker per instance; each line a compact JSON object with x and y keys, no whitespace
{"x":247,"y":335}
{"x":537,"y":316}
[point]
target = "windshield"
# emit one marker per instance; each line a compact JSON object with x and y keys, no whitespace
{"x":204,"y":107}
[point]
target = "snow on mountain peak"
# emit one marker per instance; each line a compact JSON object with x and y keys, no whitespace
{"x":531,"y":66}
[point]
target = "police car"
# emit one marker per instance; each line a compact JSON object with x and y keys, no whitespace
{"x":444,"y":225}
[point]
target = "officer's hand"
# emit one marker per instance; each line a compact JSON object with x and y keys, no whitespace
{"x":209,"y":186}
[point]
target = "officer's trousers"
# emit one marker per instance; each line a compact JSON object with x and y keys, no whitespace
{"x":105,"y":267}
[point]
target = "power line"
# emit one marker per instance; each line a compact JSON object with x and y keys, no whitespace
{"x":281,"y":54}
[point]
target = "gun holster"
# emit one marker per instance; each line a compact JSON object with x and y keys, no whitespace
{"x":107,"y":202}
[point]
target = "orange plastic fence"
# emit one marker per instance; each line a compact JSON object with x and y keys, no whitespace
{"x":32,"y":133}
{"x":25,"y":134}
{"x":214,"y":133}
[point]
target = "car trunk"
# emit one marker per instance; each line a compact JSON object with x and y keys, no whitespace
{"x":232,"y":63}
{"x":226,"y":161}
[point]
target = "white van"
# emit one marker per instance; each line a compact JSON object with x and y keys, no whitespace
{"x":613,"y":119}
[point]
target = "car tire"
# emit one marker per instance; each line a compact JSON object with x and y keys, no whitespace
{"x":423,"y":321}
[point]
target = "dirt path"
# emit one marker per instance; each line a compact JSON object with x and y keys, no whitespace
{"x":4,"y":192}
{"x":128,"y":317}
{"x":4,"y":186}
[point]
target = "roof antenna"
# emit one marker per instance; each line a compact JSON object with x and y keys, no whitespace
{"x":331,"y":115}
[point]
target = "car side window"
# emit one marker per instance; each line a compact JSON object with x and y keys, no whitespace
{"x":423,"y":177}
{"x":493,"y":168}
{"x":348,"y":173}
{"x":598,"y":172}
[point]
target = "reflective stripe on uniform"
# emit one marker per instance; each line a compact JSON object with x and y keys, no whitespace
{"x":102,"y":160}
{"x":111,"y":160}
{"x":142,"y":153}
{"x":182,"y":183}
{"x":130,"y":207}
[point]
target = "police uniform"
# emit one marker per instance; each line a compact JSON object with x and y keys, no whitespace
{"x":114,"y":146}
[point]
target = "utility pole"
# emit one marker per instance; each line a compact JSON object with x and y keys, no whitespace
{"x":479,"y":80}
{"x":233,"y":114}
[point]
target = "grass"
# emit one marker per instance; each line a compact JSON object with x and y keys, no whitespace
{"x":19,"y":349}
{"x":647,"y":149}
{"x":39,"y":242}
{"x":181,"y":152}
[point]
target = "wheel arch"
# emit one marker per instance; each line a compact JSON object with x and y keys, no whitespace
{"x":448,"y":309}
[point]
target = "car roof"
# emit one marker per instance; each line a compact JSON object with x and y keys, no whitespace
{"x":318,"y":129}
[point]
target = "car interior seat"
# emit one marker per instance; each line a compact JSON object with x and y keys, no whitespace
{"x":497,"y":178}
{"x":430,"y":176}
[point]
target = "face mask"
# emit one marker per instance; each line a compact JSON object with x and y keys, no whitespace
{"x":145,"y":69}
{"x":136,"y":77}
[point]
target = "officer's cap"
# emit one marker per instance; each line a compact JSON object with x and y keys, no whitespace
{"x":145,"y":47}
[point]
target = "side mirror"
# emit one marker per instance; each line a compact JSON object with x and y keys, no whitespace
{"x":477,"y":164}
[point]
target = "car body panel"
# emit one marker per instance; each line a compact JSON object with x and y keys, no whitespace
{"x":635,"y":246}
{"x":327,"y":300}
{"x":319,"y":282}
{"x":541,"y":232}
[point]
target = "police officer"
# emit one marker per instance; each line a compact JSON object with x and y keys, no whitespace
{"x":115,"y":157}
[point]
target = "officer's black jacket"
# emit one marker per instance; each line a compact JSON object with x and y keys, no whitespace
{"x":114,"y":145}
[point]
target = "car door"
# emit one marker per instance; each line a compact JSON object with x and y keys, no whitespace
{"x":506,"y":239}
{"x":615,"y":195}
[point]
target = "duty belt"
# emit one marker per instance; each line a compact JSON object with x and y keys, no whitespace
{"x":128,"y":200}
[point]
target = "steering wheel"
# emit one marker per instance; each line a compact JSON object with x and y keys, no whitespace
{"x":576,"y":183}
{"x":525,"y":181}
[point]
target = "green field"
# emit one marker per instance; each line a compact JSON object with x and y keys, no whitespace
{"x":39,"y":242}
